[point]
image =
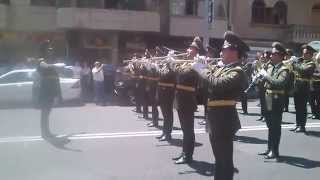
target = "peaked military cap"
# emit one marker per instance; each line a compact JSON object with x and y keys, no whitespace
{"x":278,"y":47}
{"x":309,"y":48}
{"x":231,"y":40}
{"x":289,"y":52}
{"x":195,"y":45}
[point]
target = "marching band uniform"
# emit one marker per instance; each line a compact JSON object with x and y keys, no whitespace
{"x":226,"y":84}
{"x":186,"y":104}
{"x":166,"y":92}
{"x":304,"y":69}
{"x":276,"y":78}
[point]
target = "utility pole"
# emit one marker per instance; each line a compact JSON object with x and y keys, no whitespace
{"x":228,"y":15}
{"x":209,"y":14}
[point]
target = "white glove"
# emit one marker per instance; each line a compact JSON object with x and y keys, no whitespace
{"x":148,"y":66}
{"x":263,"y":73}
{"x":198,"y":67}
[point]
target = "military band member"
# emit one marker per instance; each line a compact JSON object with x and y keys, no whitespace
{"x":247,"y":68}
{"x":288,"y":91}
{"x":134,"y":74}
{"x":314,"y":99}
{"x":226,"y":84}
{"x":316,"y":89}
{"x":151,"y":79}
{"x":276,"y":78}
{"x":304,"y":69}
{"x":264,"y":61}
{"x":186,"y":105}
{"x":166,"y":91}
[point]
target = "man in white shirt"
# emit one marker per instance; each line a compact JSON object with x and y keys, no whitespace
{"x":98,"y":78}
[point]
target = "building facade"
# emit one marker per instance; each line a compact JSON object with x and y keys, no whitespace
{"x":112,"y":30}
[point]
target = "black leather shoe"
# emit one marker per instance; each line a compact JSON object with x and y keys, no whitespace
{"x":184,"y":160}
{"x":300,"y":130}
{"x":159,"y":137}
{"x":152,"y":125}
{"x":165,"y":138}
{"x":264,"y":153}
{"x":202,"y":122}
{"x":294,"y":129}
{"x":176,"y":158}
{"x":271,"y":155}
{"x":260,"y":119}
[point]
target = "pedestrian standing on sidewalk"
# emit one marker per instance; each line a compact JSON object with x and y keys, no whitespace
{"x":85,"y":78}
{"x":98,"y":78}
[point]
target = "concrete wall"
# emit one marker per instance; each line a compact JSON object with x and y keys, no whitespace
{"x":3,"y":16}
{"x":103,"y":19}
{"x":187,"y":26}
{"x":299,"y":12}
{"x":32,"y":18}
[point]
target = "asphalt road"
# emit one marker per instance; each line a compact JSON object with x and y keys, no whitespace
{"x":99,"y":143}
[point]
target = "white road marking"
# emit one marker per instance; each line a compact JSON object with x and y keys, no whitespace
{"x":135,"y":134}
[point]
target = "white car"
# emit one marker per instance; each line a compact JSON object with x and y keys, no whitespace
{"x":16,"y":86}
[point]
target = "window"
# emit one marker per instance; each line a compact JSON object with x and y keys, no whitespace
{"x":63,"y":3}
{"x":258,"y":11}
{"x":17,"y":77}
{"x":43,"y":2}
{"x":220,"y":13}
{"x":4,"y":1}
{"x":191,"y":7}
{"x":88,"y":3}
{"x":316,"y":7}
{"x":280,"y":13}
{"x":269,"y":15}
{"x":111,"y":4}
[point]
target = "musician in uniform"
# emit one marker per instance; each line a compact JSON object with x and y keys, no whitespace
{"x":151,"y":79}
{"x":247,"y":68}
{"x":186,"y":104}
{"x":166,"y":92}
{"x":134,"y":74}
{"x":304,"y":69}
{"x":264,"y":61}
{"x":226,"y":84}
{"x":276,"y":78}
{"x":288,"y":91}
{"x":314,"y":99}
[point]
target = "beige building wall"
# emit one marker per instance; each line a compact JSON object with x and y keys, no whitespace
{"x":299,"y":13}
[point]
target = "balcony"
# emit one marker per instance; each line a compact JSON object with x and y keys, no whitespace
{"x":303,"y":33}
{"x":3,"y":16}
{"x":102,"y":19}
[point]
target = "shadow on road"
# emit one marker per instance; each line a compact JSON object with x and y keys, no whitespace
{"x":283,"y":122}
{"x":179,"y":143}
{"x":251,"y":114}
{"x":200,"y":167}
{"x":60,"y":142}
{"x":313,"y":133}
{"x":300,"y":162}
{"x":249,"y":140}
